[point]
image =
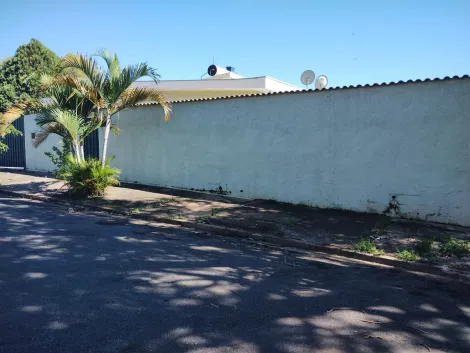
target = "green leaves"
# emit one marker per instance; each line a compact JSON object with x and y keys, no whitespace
{"x":20,"y":74}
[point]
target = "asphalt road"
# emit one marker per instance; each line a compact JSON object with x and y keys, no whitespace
{"x":76,"y":282}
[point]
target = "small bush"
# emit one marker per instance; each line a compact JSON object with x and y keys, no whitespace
{"x":454,"y":247}
{"x":424,"y":246}
{"x":61,"y":158}
{"x":367,"y":246}
{"x":88,"y":179}
{"x":176,"y":217}
{"x":407,"y":255}
{"x":216,"y":211}
{"x":202,"y":219}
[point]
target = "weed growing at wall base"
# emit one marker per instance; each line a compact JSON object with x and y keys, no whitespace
{"x":424,"y":247}
{"x":367,"y":246}
{"x":407,"y":255}
{"x":454,"y":247}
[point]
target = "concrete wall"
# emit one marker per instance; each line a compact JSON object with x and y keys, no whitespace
{"x":35,"y":157}
{"x":350,"y":148}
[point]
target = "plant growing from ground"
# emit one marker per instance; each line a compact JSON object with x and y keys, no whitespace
{"x":367,"y":246}
{"x":424,"y":246}
{"x":87,"y":178}
{"x":407,"y":255}
{"x":202,"y":219}
{"x":110,"y":90}
{"x":176,"y":217}
{"x":454,"y":247}
{"x":60,"y":157}
{"x":216,"y":211}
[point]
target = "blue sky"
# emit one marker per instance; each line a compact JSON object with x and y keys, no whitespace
{"x":352,"y":42}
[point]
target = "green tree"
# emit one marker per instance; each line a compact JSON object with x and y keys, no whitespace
{"x":110,"y":90}
{"x":20,"y":79}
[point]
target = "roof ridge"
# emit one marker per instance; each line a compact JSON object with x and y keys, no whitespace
{"x":392,"y":83}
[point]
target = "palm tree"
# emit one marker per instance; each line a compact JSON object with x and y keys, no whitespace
{"x":64,"y":113}
{"x":109,"y":90}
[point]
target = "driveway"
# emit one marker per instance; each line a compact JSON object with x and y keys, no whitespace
{"x":84,"y":282}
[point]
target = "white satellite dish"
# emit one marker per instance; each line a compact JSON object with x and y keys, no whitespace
{"x":307,"y":78}
{"x":321,"y":82}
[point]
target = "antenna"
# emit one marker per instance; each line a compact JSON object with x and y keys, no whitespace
{"x":321,"y":82}
{"x":307,"y":77}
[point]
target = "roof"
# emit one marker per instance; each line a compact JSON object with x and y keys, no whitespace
{"x":447,"y":78}
{"x":250,"y":83}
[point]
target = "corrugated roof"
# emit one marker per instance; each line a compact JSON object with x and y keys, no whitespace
{"x":447,"y":78}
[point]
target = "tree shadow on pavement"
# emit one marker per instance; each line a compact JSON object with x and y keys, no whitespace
{"x":89,"y":283}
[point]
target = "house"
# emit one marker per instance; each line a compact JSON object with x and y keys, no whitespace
{"x":219,"y":82}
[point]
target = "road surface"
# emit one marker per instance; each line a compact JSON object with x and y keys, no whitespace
{"x":85,"y":282}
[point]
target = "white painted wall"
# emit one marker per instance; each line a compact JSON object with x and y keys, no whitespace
{"x":35,"y":158}
{"x":351,"y":148}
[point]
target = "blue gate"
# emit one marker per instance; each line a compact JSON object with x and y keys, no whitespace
{"x":91,"y":145}
{"x":16,"y":155}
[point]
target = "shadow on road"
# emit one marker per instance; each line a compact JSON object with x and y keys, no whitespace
{"x":86,"y":283}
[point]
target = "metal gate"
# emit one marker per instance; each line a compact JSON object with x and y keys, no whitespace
{"x":16,"y":155}
{"x":91,"y":146}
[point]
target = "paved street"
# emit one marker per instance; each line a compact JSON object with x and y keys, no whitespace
{"x":76,"y":282}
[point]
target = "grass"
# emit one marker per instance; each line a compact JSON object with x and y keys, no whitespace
{"x":163,"y":201}
{"x":216,"y":211}
{"x":176,"y":217}
{"x":367,"y":246}
{"x":134,"y":211}
{"x":454,"y":247}
{"x":424,"y":247}
{"x":407,"y":255}
{"x":202,"y":219}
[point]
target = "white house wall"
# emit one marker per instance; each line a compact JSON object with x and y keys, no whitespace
{"x":36,"y":160}
{"x":351,"y":148}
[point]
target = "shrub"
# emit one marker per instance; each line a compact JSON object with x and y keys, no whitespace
{"x":407,"y":255}
{"x":61,"y":158}
{"x":424,"y":246}
{"x":453,"y":247}
{"x":367,"y":246}
{"x":88,"y":179}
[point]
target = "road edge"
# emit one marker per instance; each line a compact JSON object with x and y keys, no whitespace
{"x":238,"y":233}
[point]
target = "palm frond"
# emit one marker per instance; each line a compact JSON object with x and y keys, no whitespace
{"x":133,"y":96}
{"x":112,"y":61}
{"x":15,"y":112}
{"x":88,"y":126}
{"x":68,"y":120}
{"x":128,"y":76}
{"x":80,"y":86}
{"x":48,"y":129}
{"x":86,"y":66}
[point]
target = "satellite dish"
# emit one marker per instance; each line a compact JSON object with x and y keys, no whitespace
{"x":307,"y":78}
{"x":321,"y":82}
{"x":212,"y":70}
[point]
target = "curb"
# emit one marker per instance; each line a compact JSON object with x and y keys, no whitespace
{"x":238,"y":233}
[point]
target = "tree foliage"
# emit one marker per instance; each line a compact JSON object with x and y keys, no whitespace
{"x":20,"y":74}
{"x":20,"y":80}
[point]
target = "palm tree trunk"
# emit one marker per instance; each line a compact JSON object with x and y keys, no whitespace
{"x":76,"y":147}
{"x":105,"y":140}
{"x":82,"y":151}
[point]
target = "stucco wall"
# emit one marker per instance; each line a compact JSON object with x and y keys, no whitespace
{"x":35,"y":158}
{"x":352,"y":148}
